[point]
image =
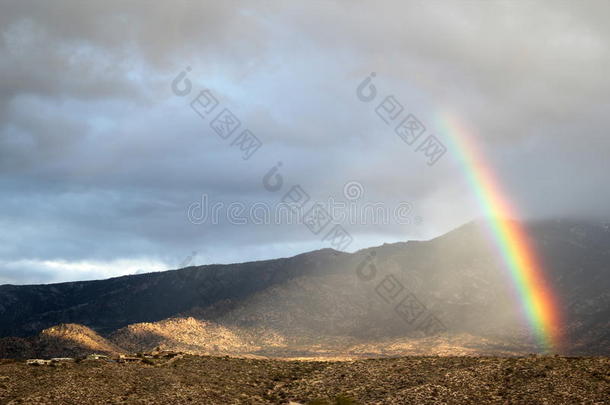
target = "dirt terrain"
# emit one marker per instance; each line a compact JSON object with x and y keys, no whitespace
{"x":223,"y":380}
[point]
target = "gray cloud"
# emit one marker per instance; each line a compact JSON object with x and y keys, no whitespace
{"x":99,"y":160}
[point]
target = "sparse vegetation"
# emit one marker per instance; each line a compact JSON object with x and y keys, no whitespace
{"x":148,"y":361}
{"x":340,"y":400}
{"x":225,"y":380}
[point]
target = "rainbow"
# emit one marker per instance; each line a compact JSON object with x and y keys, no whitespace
{"x":538,"y":302}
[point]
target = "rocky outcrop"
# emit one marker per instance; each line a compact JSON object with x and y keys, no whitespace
{"x":64,"y":340}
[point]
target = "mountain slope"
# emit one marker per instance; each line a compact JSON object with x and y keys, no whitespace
{"x":455,"y":285}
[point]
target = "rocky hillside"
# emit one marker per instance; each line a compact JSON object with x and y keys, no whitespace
{"x":65,"y":340}
{"x":192,"y":336}
{"x":453,"y":290}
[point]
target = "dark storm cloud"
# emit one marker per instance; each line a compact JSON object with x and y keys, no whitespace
{"x":99,"y":161}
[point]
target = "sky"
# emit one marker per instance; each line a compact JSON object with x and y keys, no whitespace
{"x":111,"y":163}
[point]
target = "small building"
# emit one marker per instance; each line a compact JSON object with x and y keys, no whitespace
{"x":165,"y":354}
{"x":96,"y":356}
{"x":38,"y":362}
{"x":61,"y":359}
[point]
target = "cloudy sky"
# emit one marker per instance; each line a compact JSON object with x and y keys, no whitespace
{"x":102,"y":159}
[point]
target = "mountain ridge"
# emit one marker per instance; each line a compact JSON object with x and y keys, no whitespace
{"x":317,"y":296}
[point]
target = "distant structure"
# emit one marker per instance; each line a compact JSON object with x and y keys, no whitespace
{"x":168,"y":355}
{"x":38,"y":362}
{"x":43,"y":362}
{"x":129,"y":359}
{"x":96,"y":356}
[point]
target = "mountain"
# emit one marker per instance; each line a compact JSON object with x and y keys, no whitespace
{"x":449,"y":293}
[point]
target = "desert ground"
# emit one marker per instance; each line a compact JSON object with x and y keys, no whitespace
{"x":189,"y":379}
